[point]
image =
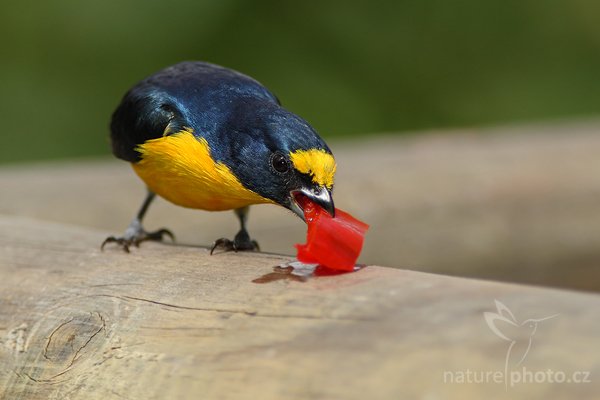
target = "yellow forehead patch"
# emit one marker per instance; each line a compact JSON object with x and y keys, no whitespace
{"x":317,"y":163}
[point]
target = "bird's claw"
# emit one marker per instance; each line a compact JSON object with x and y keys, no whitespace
{"x":235,"y":245}
{"x":135,"y":239}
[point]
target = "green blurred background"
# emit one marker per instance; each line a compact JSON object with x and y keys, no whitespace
{"x":350,"y":68}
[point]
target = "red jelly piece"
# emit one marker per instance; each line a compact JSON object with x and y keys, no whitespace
{"x":334,"y":243}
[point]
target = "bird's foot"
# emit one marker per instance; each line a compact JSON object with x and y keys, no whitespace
{"x":241,"y":242}
{"x":135,"y":234}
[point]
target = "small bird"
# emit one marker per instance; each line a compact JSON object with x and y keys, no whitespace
{"x":207,"y":137}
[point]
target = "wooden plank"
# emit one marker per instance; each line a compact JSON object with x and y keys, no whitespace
{"x":516,"y":204}
{"x":173,"y":322}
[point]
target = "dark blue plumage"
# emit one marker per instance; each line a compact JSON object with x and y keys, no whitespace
{"x":242,"y":120}
{"x":272,"y":152}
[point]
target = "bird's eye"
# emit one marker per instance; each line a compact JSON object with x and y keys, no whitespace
{"x":279,"y":163}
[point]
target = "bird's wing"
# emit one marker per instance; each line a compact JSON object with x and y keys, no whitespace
{"x":187,"y":95}
{"x":144,"y":113}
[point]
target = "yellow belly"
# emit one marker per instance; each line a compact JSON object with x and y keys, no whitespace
{"x":180,"y":169}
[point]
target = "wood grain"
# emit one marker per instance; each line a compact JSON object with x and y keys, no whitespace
{"x":172,"y":322}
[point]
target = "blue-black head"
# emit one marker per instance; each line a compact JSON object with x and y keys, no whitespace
{"x":278,"y":155}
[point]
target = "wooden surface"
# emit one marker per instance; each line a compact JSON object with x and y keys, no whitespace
{"x":517,"y":204}
{"x":172,"y":322}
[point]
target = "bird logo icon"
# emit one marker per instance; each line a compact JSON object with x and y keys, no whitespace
{"x":519,"y":335}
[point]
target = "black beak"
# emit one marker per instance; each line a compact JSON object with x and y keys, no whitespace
{"x":318,"y":194}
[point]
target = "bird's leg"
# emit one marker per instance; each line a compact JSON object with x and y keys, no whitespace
{"x":135,"y":233}
{"x":241,"y":241}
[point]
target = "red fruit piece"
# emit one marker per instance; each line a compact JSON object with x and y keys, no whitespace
{"x":336,"y":242}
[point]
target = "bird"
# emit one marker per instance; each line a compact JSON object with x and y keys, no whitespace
{"x":207,"y":137}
